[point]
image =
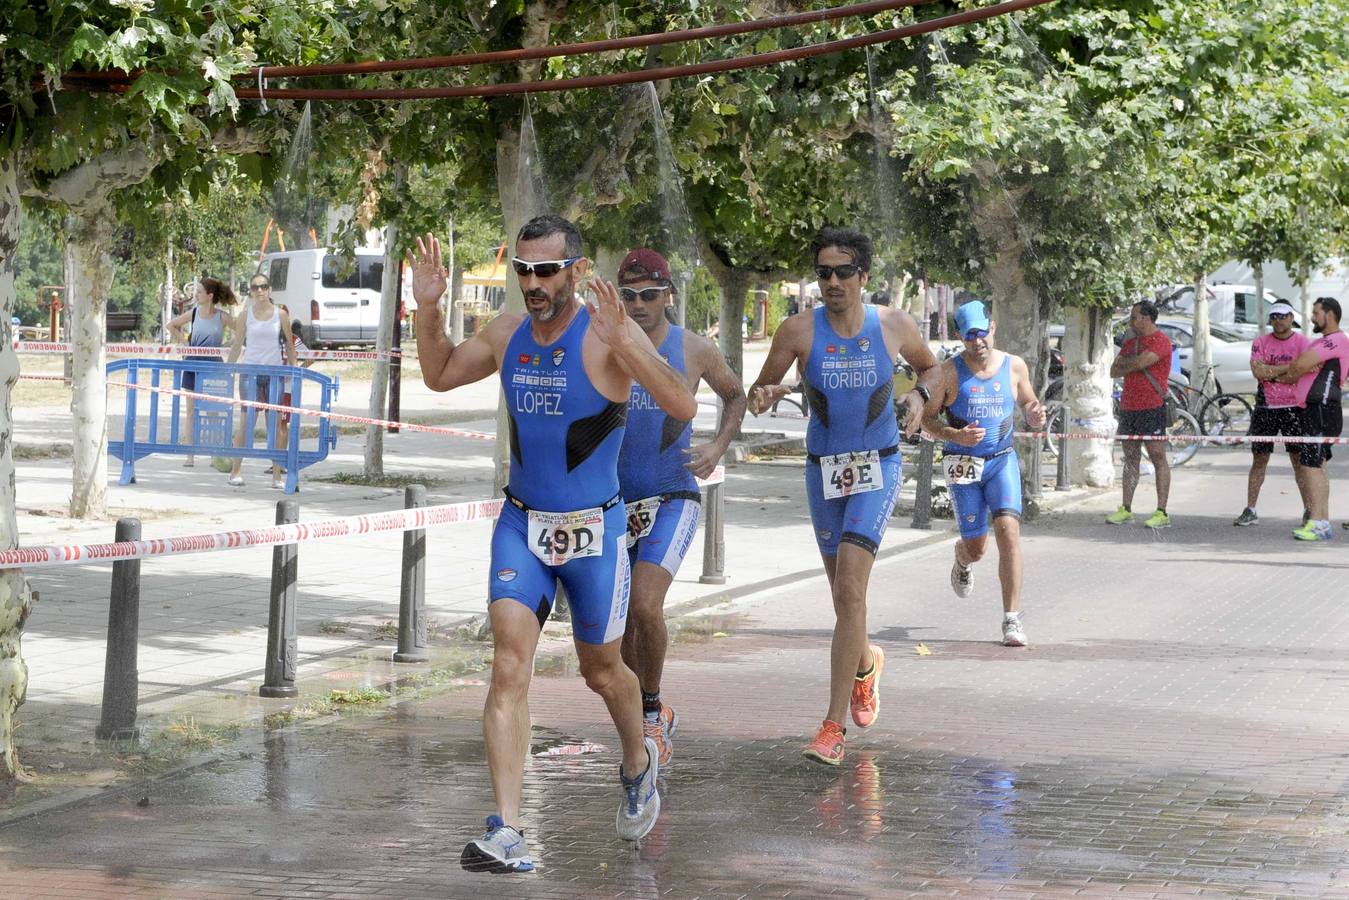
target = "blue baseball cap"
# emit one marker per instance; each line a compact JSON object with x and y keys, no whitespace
{"x":971,"y":316}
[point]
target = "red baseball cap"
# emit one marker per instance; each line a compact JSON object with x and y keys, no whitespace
{"x":644,"y":265}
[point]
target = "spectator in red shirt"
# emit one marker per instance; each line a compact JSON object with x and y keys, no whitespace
{"x":1144,"y":361}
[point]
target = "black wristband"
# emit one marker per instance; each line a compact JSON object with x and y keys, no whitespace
{"x":923,"y":392}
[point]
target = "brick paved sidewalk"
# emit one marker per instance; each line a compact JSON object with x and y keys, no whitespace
{"x":1177,"y":727}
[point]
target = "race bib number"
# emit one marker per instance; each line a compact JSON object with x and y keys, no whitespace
{"x":846,"y":474}
{"x":964,"y":469}
{"x":557,"y":538}
{"x":641,"y":516}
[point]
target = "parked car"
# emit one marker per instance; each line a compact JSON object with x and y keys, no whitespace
{"x":336,"y":301}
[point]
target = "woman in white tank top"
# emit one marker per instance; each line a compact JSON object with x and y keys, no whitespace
{"x":263,"y":335}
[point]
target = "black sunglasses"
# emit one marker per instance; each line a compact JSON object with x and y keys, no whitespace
{"x":543,"y":268}
{"x":975,"y":334}
{"x":650,"y":295}
{"x":260,"y":286}
{"x":844,"y":272}
{"x":1281,"y":315}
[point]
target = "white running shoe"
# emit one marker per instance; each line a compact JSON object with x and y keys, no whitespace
{"x":962,"y":579}
{"x":501,"y":850}
{"x":640,"y":806}
{"x":1013,"y":634}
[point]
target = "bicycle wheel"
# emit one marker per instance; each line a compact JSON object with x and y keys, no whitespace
{"x":787,"y":408}
{"x":1179,"y":452}
{"x":1053,"y":415}
{"x":1226,"y":414}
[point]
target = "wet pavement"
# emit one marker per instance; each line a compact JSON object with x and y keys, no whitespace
{"x":1178,"y":727}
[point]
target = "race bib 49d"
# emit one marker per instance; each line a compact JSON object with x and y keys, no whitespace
{"x":557,"y":538}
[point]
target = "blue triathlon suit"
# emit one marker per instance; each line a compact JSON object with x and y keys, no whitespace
{"x":988,"y":403}
{"x":651,"y":472}
{"x":565,"y":437}
{"x":848,"y":384}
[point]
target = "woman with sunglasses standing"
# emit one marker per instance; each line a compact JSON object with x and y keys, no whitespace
{"x":260,"y":332}
{"x":205,"y":328}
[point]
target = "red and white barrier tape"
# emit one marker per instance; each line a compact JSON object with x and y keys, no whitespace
{"x":184,"y":350}
{"x":1229,"y":439}
{"x":316,"y":413}
{"x":44,"y":378}
{"x":296,"y":533}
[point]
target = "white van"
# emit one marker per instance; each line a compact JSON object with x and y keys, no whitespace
{"x":1233,"y":305}
{"x":334,"y":301}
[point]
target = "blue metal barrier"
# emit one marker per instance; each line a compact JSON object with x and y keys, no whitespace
{"x":211,"y":430}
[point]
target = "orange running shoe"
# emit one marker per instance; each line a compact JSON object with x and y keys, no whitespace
{"x":866,"y":692}
{"x":660,"y":730}
{"x":827,"y":747}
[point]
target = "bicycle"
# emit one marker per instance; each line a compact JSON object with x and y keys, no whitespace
{"x":1181,"y":432}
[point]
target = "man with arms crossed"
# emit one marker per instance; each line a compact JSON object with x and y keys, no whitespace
{"x":566,"y":371}
{"x":1318,"y":376}
{"x":1277,"y":410}
{"x":979,"y":392}
{"x":846,"y":349}
{"x":656,"y":472}
{"x":1145,"y":362}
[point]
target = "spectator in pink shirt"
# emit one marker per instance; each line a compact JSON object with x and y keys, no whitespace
{"x":1277,"y":408}
{"x":1318,"y":376}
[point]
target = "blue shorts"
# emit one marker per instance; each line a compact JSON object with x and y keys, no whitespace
{"x":597,"y":586}
{"x":998,"y":493}
{"x":856,"y":519}
{"x":671,"y":535}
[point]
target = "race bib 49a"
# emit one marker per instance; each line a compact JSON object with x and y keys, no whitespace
{"x":557,"y":538}
{"x":964,"y":469}
{"x":845,"y":474}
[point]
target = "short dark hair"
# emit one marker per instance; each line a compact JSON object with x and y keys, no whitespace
{"x":543,"y":226}
{"x":854,"y":243}
{"x":1330,"y":305}
{"x":1147,"y":308}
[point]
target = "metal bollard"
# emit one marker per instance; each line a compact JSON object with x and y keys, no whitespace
{"x":1063,"y":476}
{"x":412,"y":593}
{"x":121,"y":680}
{"x":1034,"y":476}
{"x":714,"y":538}
{"x":922,"y":489}
{"x":279,"y":680}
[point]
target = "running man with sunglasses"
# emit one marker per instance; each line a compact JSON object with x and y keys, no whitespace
{"x":658,"y":472}
{"x":846,"y":350}
{"x":979,"y":392}
{"x":566,"y":370}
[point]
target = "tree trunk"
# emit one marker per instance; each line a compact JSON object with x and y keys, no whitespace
{"x":734,"y":284}
{"x":390,"y":291}
{"x":1201,"y":358}
{"x":456,"y":317}
{"x":167,"y":292}
{"x":1262,"y":313}
{"x":1305,"y":292}
{"x":1087,"y":388}
{"x":14,"y":596}
{"x":513,"y":216}
{"x":89,"y":273}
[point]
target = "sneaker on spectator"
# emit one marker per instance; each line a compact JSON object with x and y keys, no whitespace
{"x":827,"y":747}
{"x":1247,"y":517}
{"x":1013,"y":633}
{"x":1310,"y":532}
{"x":661,"y":729}
{"x":1158,"y":519}
{"x":501,"y":850}
{"x":1120,"y":516}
